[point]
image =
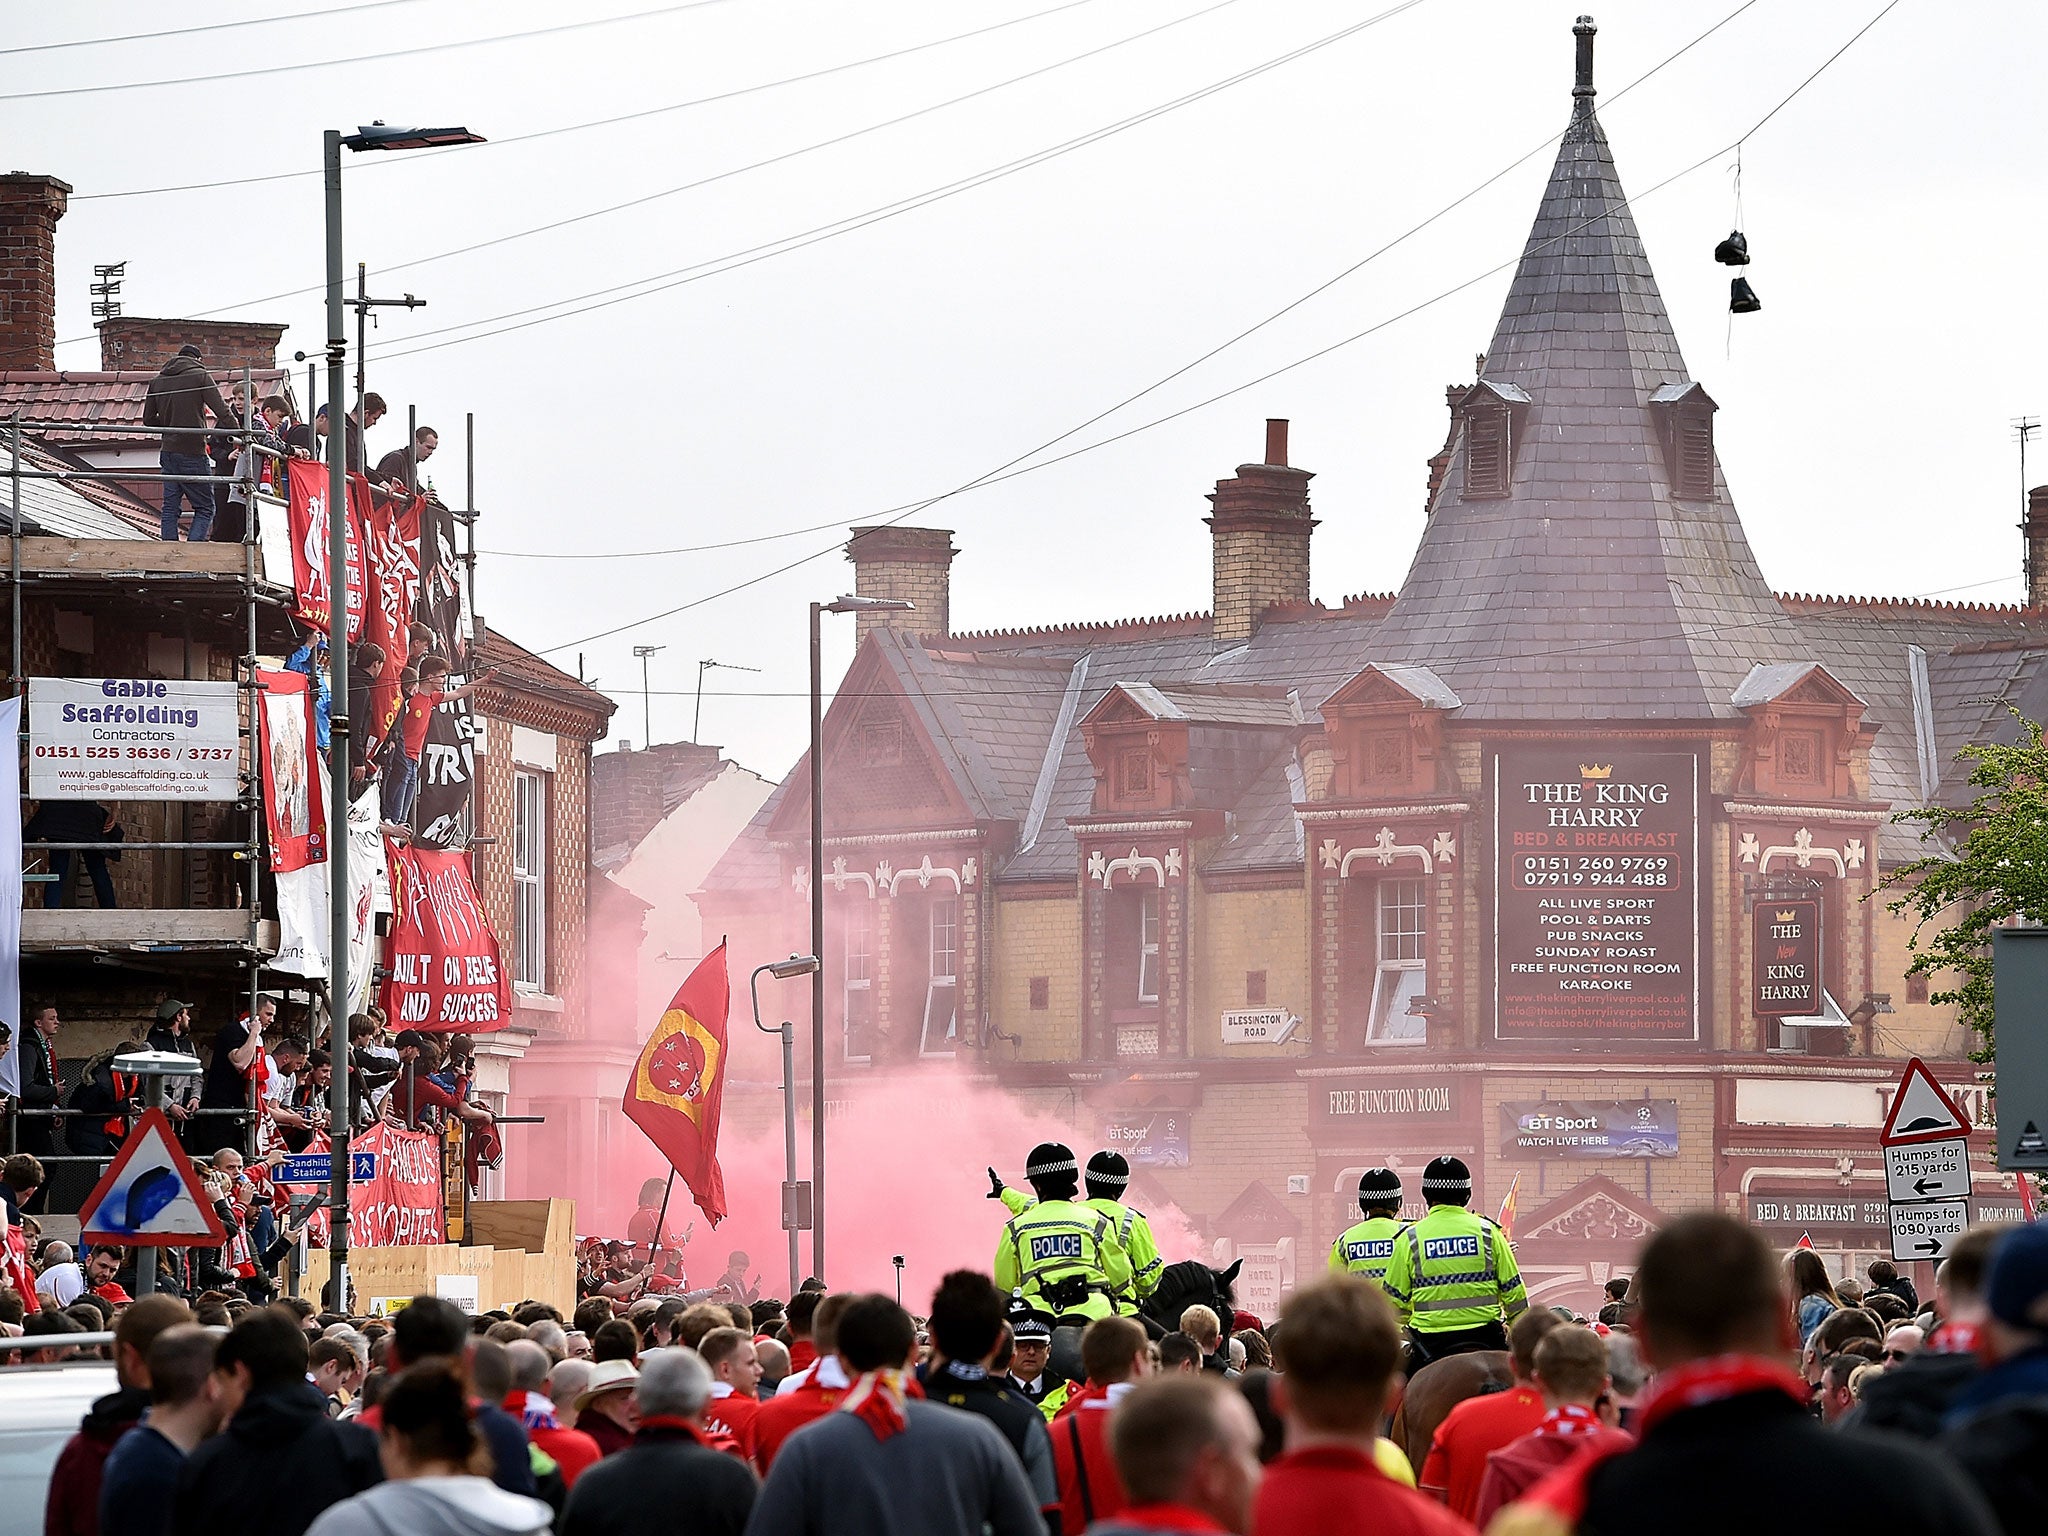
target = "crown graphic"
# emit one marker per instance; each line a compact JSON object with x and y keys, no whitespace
{"x":1596,"y":770}
{"x":1786,"y":917}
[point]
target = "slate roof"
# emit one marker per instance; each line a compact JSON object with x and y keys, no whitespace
{"x":71,"y":509}
{"x":1588,"y":592}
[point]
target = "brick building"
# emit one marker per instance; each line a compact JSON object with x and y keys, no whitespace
{"x":1560,"y":857}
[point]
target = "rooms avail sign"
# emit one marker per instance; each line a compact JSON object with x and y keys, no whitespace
{"x":1596,"y":893}
{"x":1786,"y":975}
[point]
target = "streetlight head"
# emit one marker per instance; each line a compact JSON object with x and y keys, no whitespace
{"x":868,"y":605}
{"x":379,"y":136}
{"x":795,"y":965}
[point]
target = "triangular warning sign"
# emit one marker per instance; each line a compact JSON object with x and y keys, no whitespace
{"x":1921,"y":1110}
{"x":150,"y":1197}
{"x":1805,"y":1241}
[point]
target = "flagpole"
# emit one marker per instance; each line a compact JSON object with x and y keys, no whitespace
{"x":661,"y":1219}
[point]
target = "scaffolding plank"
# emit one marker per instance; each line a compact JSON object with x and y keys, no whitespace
{"x":116,"y":557}
{"x":53,"y":928}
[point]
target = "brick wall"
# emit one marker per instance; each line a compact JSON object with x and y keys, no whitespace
{"x":136,"y":343}
{"x":908,"y":564}
{"x":1037,"y":939}
{"x":1240,"y":931}
{"x":1256,"y":568}
{"x":30,"y":207}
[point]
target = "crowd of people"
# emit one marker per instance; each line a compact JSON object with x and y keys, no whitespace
{"x":264,"y":1095}
{"x":845,"y":1413}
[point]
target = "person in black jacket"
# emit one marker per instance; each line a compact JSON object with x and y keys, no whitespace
{"x":41,"y":1088}
{"x":75,"y":821}
{"x":1727,"y":1443}
{"x":281,"y":1460}
{"x":178,"y":400}
{"x":966,"y":1330}
{"x":1885,"y":1280}
{"x":645,"y":1489}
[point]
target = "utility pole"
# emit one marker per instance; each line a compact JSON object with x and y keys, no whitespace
{"x":647,"y":698}
{"x":362,"y":304}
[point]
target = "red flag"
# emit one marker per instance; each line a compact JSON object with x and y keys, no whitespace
{"x":294,"y":796}
{"x":2026,"y":1183}
{"x":306,"y":514}
{"x":1506,"y":1221}
{"x":679,"y":1081}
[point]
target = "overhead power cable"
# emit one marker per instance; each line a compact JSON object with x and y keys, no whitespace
{"x":1010,"y":470}
{"x":383,"y":56}
{"x":212,"y":26}
{"x":501,"y":141}
{"x":1547,"y":143}
{"x":650,"y":197}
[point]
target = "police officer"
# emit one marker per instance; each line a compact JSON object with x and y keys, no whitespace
{"x":1061,"y":1255}
{"x":1107,"y":1177}
{"x":1366,"y":1249}
{"x":1451,"y":1277}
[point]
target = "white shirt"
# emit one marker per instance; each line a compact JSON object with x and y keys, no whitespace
{"x":826,"y":1371}
{"x":62,"y":1283}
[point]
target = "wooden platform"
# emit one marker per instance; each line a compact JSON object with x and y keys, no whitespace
{"x":48,"y":929}
{"x":131,"y":557}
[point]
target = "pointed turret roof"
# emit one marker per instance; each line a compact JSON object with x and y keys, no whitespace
{"x":1588,"y":591}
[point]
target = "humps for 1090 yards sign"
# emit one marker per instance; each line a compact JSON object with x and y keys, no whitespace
{"x":1596,"y":893}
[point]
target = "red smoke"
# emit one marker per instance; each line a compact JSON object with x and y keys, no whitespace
{"x":905,"y":1162}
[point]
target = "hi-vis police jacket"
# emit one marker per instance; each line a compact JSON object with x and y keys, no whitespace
{"x":1367,"y":1248}
{"x":1057,"y":1240}
{"x":1133,"y":1235}
{"x":1453,"y":1270}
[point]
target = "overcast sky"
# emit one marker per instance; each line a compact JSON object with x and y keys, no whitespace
{"x":1893,"y":209}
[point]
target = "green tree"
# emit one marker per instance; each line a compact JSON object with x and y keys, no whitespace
{"x":1986,"y":867}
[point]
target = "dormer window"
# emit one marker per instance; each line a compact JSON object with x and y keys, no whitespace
{"x":1685,"y":423}
{"x":1492,"y":414}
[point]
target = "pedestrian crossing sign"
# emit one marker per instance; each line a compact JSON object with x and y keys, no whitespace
{"x":150,"y":1197}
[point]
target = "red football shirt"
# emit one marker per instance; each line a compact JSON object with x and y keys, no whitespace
{"x":734,"y":1415}
{"x":419,"y":709}
{"x":1521,"y":1464}
{"x":779,"y":1418}
{"x":1469,"y":1434}
{"x":1336,"y":1491}
{"x":1083,"y":1467}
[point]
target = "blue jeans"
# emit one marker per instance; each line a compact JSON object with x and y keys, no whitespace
{"x":401,"y":788}
{"x":95,"y":868}
{"x":200,"y":496}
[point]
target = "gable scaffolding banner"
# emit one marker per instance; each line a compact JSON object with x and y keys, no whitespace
{"x":118,"y":738}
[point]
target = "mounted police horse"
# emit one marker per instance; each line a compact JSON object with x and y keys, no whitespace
{"x":1186,"y":1284}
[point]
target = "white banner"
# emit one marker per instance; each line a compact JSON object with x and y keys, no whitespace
{"x":302,"y":920}
{"x":305,"y":919}
{"x":133,"y":739}
{"x":10,"y":908}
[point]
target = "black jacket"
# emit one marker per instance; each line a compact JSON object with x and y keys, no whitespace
{"x":996,"y":1399}
{"x":39,"y":1090}
{"x":279,"y":1464}
{"x":180,"y":396}
{"x":1912,"y":1396}
{"x":1901,"y":1288}
{"x":2004,"y":1450}
{"x":666,"y":1481}
{"x":1758,"y":1461}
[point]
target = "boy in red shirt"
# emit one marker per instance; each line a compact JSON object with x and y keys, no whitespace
{"x":735,"y":1373}
{"x":1479,"y":1426}
{"x":1116,"y":1356}
{"x":1571,"y":1368}
{"x":1339,"y":1346}
{"x":422,"y":698}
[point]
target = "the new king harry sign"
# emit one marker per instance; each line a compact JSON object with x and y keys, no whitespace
{"x":1596,"y":893}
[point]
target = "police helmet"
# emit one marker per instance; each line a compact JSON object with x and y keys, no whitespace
{"x":1052,"y":1170}
{"x":1108,"y":1174}
{"x":1379,"y":1189}
{"x":1447,"y":1181}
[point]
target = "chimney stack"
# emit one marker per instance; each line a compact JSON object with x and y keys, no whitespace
{"x":138,"y":344}
{"x":1259,"y":533}
{"x":30,"y":206}
{"x":2036,"y":530}
{"x":905,"y":563}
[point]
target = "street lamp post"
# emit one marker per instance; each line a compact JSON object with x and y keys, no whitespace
{"x":782,"y":970}
{"x":376,"y":136}
{"x":837,"y":605}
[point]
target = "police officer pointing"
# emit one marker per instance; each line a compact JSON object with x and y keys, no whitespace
{"x":1367,"y":1248}
{"x":1107,"y":1176}
{"x":1452,"y":1278}
{"x":1060,"y":1254}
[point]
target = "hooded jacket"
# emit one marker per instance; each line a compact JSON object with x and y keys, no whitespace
{"x":436,"y":1506}
{"x":280,"y":1455}
{"x":179,"y":396}
{"x":73,"y":1508}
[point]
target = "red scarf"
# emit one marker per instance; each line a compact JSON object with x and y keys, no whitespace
{"x":1692,"y":1385}
{"x":876,"y":1399}
{"x":1569,"y":1422}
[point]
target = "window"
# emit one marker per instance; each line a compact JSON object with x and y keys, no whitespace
{"x":857,"y":995}
{"x":1148,"y":946}
{"x":1402,"y":968}
{"x":942,"y":990}
{"x":1487,"y":454}
{"x":1693,"y":469}
{"x":1818,"y":1034}
{"x":530,"y":880}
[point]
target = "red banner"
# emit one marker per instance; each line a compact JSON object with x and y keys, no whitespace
{"x":294,"y":806}
{"x":308,"y":520}
{"x":445,"y":970}
{"x":394,"y":537}
{"x":402,"y":1203}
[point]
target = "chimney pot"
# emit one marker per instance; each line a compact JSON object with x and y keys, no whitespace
{"x":2036,"y":530}
{"x":1276,"y":440}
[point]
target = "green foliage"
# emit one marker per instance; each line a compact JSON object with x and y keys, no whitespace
{"x":1987,"y":866}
